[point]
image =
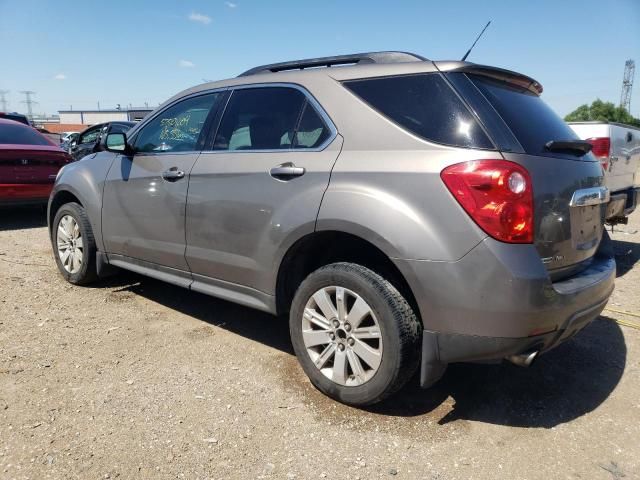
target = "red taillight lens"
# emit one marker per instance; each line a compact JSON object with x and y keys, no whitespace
{"x":601,"y":147}
{"x":498,"y":196}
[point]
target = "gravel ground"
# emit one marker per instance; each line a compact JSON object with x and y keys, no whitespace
{"x":134,"y":378}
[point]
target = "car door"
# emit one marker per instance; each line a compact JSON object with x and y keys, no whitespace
{"x":145,"y":193}
{"x":257,"y":189}
{"x":86,"y":142}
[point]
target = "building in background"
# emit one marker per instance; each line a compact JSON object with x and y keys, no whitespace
{"x":91,"y":117}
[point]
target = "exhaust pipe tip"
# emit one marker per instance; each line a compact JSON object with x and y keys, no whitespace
{"x":523,"y":359}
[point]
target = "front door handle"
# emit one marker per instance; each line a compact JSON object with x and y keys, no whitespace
{"x":286,"y":171}
{"x":172,"y":174}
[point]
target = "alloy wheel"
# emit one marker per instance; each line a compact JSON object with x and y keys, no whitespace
{"x":70,"y":244}
{"x":342,"y":336}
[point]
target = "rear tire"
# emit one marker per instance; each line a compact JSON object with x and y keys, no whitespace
{"x":74,"y":246}
{"x":356,"y":337}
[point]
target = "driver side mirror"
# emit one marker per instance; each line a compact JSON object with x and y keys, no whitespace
{"x":117,"y":143}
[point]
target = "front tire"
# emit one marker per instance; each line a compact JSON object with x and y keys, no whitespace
{"x":74,"y":246}
{"x":355,"y":335}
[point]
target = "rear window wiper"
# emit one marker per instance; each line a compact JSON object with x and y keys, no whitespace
{"x":575,"y":147}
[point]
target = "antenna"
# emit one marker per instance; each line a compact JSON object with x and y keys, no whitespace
{"x":3,"y":100}
{"x":30,"y":102}
{"x":474,"y":43}
{"x":627,"y":84}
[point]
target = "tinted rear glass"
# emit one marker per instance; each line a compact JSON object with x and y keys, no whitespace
{"x":530,"y":119}
{"x":16,"y":118}
{"x":21,"y":135}
{"x":425,"y":105}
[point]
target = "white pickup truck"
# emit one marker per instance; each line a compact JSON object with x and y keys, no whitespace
{"x":617,"y":146}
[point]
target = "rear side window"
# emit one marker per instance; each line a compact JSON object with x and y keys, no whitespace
{"x":21,"y":135}
{"x":312,"y":131}
{"x":530,"y":119}
{"x":260,"y":119}
{"x":425,"y":105}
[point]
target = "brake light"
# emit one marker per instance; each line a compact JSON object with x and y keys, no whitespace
{"x":601,"y":148}
{"x":497,"y":195}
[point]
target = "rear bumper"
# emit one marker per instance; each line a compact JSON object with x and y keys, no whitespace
{"x":24,"y":193}
{"x":498,"y":301}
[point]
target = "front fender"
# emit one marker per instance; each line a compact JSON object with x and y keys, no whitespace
{"x":85,"y":181}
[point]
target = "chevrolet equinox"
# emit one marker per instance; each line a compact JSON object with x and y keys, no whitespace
{"x":405,"y":213}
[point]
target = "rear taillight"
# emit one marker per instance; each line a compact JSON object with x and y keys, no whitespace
{"x":600,"y":148}
{"x":498,"y":196}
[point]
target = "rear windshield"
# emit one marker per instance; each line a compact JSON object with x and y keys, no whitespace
{"x":16,"y":118}
{"x":425,"y":105}
{"x":530,"y":119}
{"x":20,"y":135}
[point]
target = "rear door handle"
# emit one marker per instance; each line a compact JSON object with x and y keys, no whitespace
{"x":286,"y":171}
{"x":172,"y":174}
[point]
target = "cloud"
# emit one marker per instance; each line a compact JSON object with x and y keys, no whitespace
{"x":200,"y":17}
{"x":186,"y":64}
{"x":60,"y":76}
{"x":231,"y":4}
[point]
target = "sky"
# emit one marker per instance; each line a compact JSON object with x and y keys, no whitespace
{"x":81,"y":53}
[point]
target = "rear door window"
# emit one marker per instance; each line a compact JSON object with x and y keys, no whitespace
{"x":530,"y":119}
{"x":425,"y":105}
{"x":260,"y":119}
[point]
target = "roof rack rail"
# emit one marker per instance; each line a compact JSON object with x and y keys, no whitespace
{"x":355,"y":58}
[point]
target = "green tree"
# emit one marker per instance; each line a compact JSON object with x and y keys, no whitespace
{"x":602,"y":112}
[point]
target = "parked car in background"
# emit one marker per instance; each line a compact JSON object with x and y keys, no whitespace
{"x":67,"y":139}
{"x":617,"y":146}
{"x":29,"y":163}
{"x":16,"y":117}
{"x":405,"y":213}
{"x":92,"y":139}
{"x":54,"y":137}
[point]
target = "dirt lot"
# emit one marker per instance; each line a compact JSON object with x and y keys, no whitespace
{"x":134,"y":378}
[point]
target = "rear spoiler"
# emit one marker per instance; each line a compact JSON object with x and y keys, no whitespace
{"x":499,"y":74}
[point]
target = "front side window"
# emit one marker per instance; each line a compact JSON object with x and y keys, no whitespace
{"x":178,"y":128}
{"x":425,"y":105}
{"x":90,"y":136}
{"x":260,"y":119}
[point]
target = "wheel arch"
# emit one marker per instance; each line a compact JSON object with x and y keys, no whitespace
{"x":58,"y":199}
{"x":321,"y":248}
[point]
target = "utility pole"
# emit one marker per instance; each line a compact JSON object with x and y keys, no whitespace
{"x":627,"y":84}
{"x":3,"y":100}
{"x":29,"y":101}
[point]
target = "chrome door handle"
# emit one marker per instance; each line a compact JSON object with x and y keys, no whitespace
{"x":286,"y":171}
{"x":172,"y":174}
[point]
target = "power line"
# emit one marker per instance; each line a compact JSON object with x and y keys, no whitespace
{"x":627,"y":84}
{"x":29,"y":101}
{"x":3,"y":100}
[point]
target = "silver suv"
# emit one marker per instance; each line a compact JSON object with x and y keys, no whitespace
{"x":405,"y":213}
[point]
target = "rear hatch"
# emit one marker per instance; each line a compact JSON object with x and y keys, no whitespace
{"x":568,"y":184}
{"x":30,"y":164}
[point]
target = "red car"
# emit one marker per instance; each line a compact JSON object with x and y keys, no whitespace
{"x":29,"y":163}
